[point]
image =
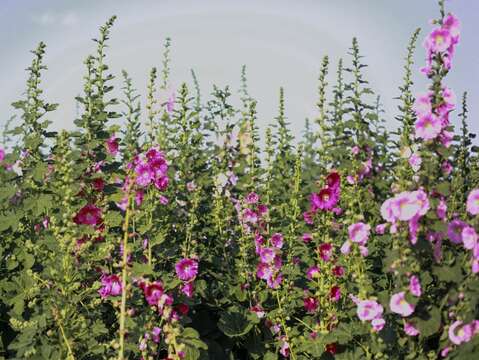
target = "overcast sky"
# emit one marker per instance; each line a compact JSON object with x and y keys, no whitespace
{"x":281,"y":43}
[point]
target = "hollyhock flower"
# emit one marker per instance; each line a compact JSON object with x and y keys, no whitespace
{"x":399,"y":305}
{"x":310,"y":304}
{"x":446,"y":167}
{"x":415,"y":286}
{"x":454,"y":230}
{"x":325,"y":251}
{"x":338,"y":271}
{"x":413,"y":229}
{"x":387,"y":211}
{"x":88,"y":215}
{"x":368,"y":310}
{"x":153,"y":292}
{"x":363,"y":250}
{"x":111,"y":286}
{"x":378,"y":324}
{"x":98,"y":184}
{"x":451,"y":23}
{"x":252,"y":198}
{"x":346,"y":247}
{"x":439,"y":40}
{"x":326,"y":199}
{"x":163,"y":200}
{"x":274,"y":281}
{"x":112,"y":145}
{"x":312,"y":273}
{"x":380,"y":229}
{"x":415,"y":161}
{"x":262,"y":210}
{"x":335,"y":293}
{"x":264,"y":271}
{"x":267,"y":255}
{"x":359,"y":232}
{"x":188,"y":289}
{"x":410,"y":330}
{"x":423,"y":105}
{"x":277,"y":240}
{"x":464,"y":334}
{"x":191,"y":186}
{"x":144,"y":174}
{"x":307,"y":238}
{"x":183,"y":309}
{"x":333,"y":180}
{"x":355,"y":150}
{"x":475,"y":266}
{"x":441,"y":210}
{"x":186,"y":269}
{"x":473,"y":202}
{"x":259,"y":311}
{"x":249,"y":216}
{"x":308,"y":217}
{"x":2,"y":154}
{"x":469,"y":237}
{"x":428,"y":127}
{"x":284,"y":349}
{"x":155,"y":334}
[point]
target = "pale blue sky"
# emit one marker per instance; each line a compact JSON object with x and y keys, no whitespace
{"x":281,"y":42}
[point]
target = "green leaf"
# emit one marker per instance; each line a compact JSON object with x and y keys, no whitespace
{"x":237,"y":322}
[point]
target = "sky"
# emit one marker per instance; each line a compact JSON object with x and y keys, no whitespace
{"x":281,"y":42}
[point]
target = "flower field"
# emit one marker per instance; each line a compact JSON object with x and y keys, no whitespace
{"x":176,"y":232}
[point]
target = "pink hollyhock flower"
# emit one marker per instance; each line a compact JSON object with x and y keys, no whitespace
{"x":446,"y":167}
{"x":188,"y":289}
{"x":308,"y":217}
{"x":274,"y":281}
{"x":307,"y":238}
{"x":111,"y":286}
{"x":346,"y":247}
{"x":88,"y":215}
{"x":469,"y":237}
{"x":387,"y":211}
{"x":284,"y":349}
{"x":454,"y":230}
{"x":428,"y":127}
{"x":414,"y":229}
{"x":161,"y":183}
{"x":381,"y":229}
{"x":186,"y":269}
{"x":252,"y":198}
{"x":312,"y":273}
{"x":310,"y":304}
{"x":163,"y":200}
{"x":258,"y":310}
{"x":368,"y":310}
{"x":441,"y":210}
{"x":473,"y":202}
{"x":144,"y":174}
{"x":359,"y":232}
{"x":415,"y":161}
{"x":262,"y":210}
{"x":451,"y":23}
{"x":2,"y":154}
{"x":355,"y":150}
{"x":423,"y":105}
{"x":410,"y":330}
{"x":153,"y":292}
{"x":112,"y":145}
{"x":277,"y":240}
{"x":415,"y":286}
{"x":399,"y":305}
{"x":378,"y":324}
{"x":475,"y":266}
{"x":464,"y":334}
{"x":335,"y":293}
{"x":326,"y":199}
{"x":264,"y":271}
{"x":325,"y":251}
{"x":249,"y":216}
{"x":156,"y":332}
{"x":363,"y":250}
{"x":267,"y":255}
{"x":439,"y":40}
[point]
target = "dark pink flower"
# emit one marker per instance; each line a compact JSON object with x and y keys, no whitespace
{"x":307,"y":237}
{"x":310,"y":304}
{"x":277,"y":240}
{"x":188,"y":289}
{"x":338,"y":271}
{"x":112,"y":145}
{"x":325,"y":251}
{"x":252,"y":198}
{"x":88,"y":215}
{"x":186,"y":269}
{"x":415,"y":286}
{"x":454,"y":231}
{"x":335,"y":293}
{"x":153,"y":292}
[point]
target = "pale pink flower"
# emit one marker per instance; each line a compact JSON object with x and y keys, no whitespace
{"x":473,"y":202}
{"x":378,"y":324}
{"x":464,"y":334}
{"x":410,"y":330}
{"x":428,"y":127}
{"x":415,"y":161}
{"x":359,"y":232}
{"x":469,"y":237}
{"x":399,"y":305}
{"x":368,"y":310}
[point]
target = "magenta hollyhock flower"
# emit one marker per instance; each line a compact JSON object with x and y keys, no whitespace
{"x":307,"y":238}
{"x":112,"y":145}
{"x":188,"y":289}
{"x":2,"y":154}
{"x":469,"y":237}
{"x":88,"y":215}
{"x":186,"y":269}
{"x":277,"y":240}
{"x":310,"y":304}
{"x":359,"y":232}
{"x":249,"y":216}
{"x":464,"y":334}
{"x":335,"y":293}
{"x":264,"y":271}
{"x":381,"y":229}
{"x":338,"y":271}
{"x":428,"y":127}
{"x":355,"y":150}
{"x":252,"y":198}
{"x":163,"y":200}
{"x":452,"y":23}
{"x":98,"y":184}
{"x":161,"y":182}
{"x":410,"y":330}
{"x":415,"y":286}
{"x":378,"y":324}
{"x":267,"y":255}
{"x":441,"y":210}
{"x":111,"y":286}
{"x":325,"y":251}
{"x":144,"y":174}
{"x":439,"y":40}
{"x":155,"y":334}
{"x":399,"y":305}
{"x":326,"y":199}
{"x":446,"y":167}
{"x":308,"y":217}
{"x":414,"y":229}
{"x":312,"y":273}
{"x":274,"y":281}
{"x":454,"y":230}
{"x":153,"y":292}
{"x":333,"y":180}
{"x":473,"y":202}
{"x":368,"y":310}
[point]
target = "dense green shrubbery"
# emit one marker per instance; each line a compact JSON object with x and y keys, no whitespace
{"x":187,"y":241}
